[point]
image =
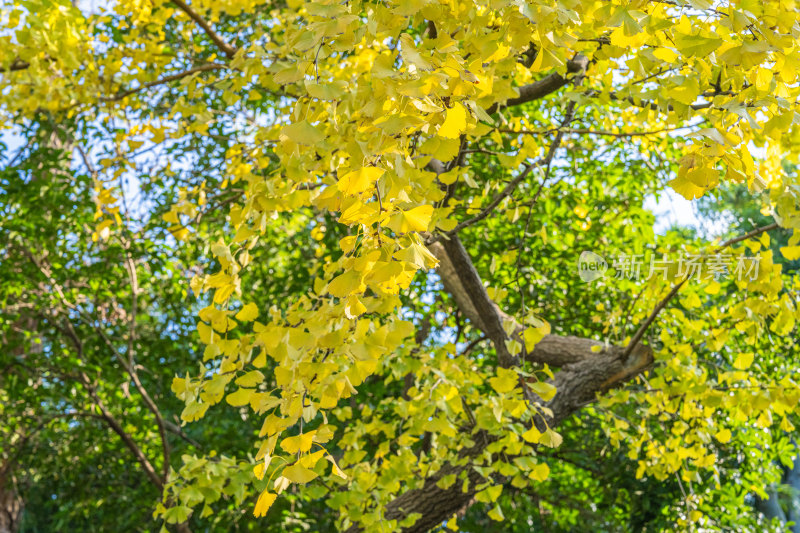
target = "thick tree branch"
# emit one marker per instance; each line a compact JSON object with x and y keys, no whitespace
{"x":547,"y":85}
{"x":577,"y":385}
{"x":226,"y":48}
{"x":16,"y":66}
{"x":553,"y":350}
{"x":587,"y":369}
{"x":476,"y":296}
{"x":434,"y":503}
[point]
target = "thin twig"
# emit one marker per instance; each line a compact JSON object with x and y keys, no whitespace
{"x":587,"y":132}
{"x":663,"y":303}
{"x":162,"y":81}
{"x":568,"y":117}
{"x":509,"y":188}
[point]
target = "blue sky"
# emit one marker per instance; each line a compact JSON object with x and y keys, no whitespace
{"x":670,"y":208}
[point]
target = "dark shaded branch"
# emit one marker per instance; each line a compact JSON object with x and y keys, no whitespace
{"x":226,"y":48}
{"x":644,"y":104}
{"x":576,"y":384}
{"x":547,"y":85}
{"x":130,"y":366}
{"x":16,"y":66}
{"x":162,"y":81}
{"x":106,"y":415}
{"x":748,"y":235}
{"x":587,"y":132}
{"x":484,"y":308}
{"x":112,"y":422}
{"x":485,"y":212}
{"x":588,"y":368}
{"x":553,"y":350}
{"x":546,"y":161}
{"x":431,"y":29}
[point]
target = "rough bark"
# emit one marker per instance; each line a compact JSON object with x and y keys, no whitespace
{"x":553,"y":350}
{"x":587,"y":367}
{"x":771,"y":507}
{"x":543,"y":87}
{"x":10,"y":502}
{"x":786,"y":509}
{"x":435,"y":504}
{"x":792,"y":480}
{"x":473,"y":292}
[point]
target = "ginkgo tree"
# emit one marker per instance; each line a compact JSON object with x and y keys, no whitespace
{"x":419,"y":179}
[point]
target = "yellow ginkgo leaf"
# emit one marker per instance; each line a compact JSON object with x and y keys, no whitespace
{"x":455,"y":122}
{"x":417,"y":255}
{"x":545,"y":390}
{"x":298,"y":474}
{"x":302,"y":133}
{"x":790,"y":252}
{"x":551,"y":438}
{"x":259,"y":470}
{"x":540,"y":472}
{"x":251,"y":379}
{"x":743,"y":360}
{"x":416,"y":219}
{"x":207,"y":335}
{"x":281,"y":483}
{"x":723,"y":436}
{"x":299,"y":443}
{"x":360,"y":180}
{"x":535,"y":333}
{"x":686,"y":188}
{"x":532,"y":435}
{"x":496,"y":514}
{"x":248,"y":313}
{"x":345,"y":284}
{"x":264,"y":502}
{"x":336,"y":470}
{"x":712,"y":288}
{"x":240,"y":397}
{"x":505,"y":381}
{"x":410,"y":54}
{"x":489,"y":494}
{"x":223,"y":293}
{"x":354,"y":308}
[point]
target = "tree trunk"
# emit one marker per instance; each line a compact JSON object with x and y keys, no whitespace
{"x":10,"y":502}
{"x":586,"y":368}
{"x":792,"y":480}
